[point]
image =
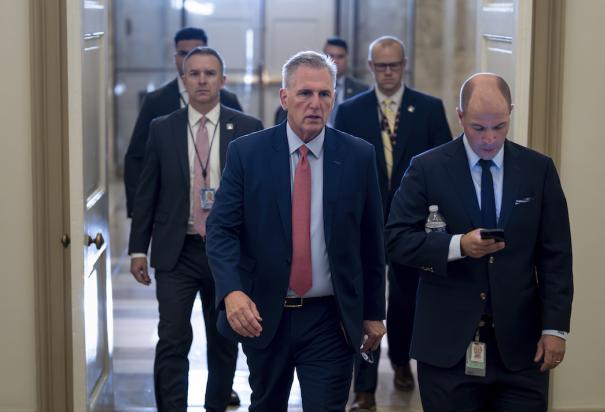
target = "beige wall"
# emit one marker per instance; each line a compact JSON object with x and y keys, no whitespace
{"x":580,"y":381}
{"x":17,"y":346}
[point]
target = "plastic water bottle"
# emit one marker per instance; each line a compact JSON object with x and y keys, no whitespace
{"x":435,"y":222}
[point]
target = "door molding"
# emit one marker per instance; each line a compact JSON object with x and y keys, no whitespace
{"x":546,"y":86}
{"x":51,"y":205}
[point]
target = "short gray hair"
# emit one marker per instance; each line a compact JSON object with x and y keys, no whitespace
{"x":310,"y":59}
{"x":205,"y":51}
{"x":385,"y":41}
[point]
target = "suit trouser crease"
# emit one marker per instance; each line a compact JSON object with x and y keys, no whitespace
{"x":176,"y":292}
{"x":501,"y":390}
{"x":310,"y":341}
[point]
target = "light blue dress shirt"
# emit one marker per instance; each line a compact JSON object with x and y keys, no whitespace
{"x":322,"y":278}
{"x":497,"y":170}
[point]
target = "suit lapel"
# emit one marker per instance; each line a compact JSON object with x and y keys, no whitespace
{"x":462,"y":182}
{"x":181,"y":134}
{"x":227,"y":130}
{"x":280,"y":170}
{"x":174,"y":97}
{"x":511,"y":182}
{"x":374,"y":131}
{"x":333,"y":165}
{"x":406,"y":118}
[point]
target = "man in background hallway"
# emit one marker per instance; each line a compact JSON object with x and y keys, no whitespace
{"x":181,"y":171}
{"x":165,"y":100}
{"x":346,"y":86}
{"x":295,"y":243}
{"x":400,"y":122}
{"x":505,"y":301}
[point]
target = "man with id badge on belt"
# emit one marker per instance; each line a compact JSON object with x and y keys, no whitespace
{"x":494,"y":298}
{"x":182,"y":169}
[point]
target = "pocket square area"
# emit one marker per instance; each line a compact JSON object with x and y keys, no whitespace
{"x":523,"y":200}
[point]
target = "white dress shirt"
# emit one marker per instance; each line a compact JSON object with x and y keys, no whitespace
{"x":214,"y":143}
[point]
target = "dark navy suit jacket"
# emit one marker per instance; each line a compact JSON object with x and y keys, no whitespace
{"x":422,"y":126}
{"x":530,"y":281}
{"x":249,"y":232}
{"x":161,"y":204}
{"x":157,"y":103}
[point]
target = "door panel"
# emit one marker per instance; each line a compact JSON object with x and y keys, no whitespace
{"x":97,"y":283}
{"x":504,"y":47}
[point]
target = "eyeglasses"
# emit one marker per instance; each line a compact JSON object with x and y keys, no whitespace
{"x":382,"y":67}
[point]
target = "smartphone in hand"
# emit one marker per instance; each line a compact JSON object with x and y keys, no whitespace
{"x":496,"y":234}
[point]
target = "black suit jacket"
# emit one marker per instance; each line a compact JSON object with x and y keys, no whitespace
{"x":422,"y":126}
{"x":352,"y":88}
{"x":160,"y":102}
{"x":161,"y":204}
{"x":530,"y":281}
{"x":249,"y":232}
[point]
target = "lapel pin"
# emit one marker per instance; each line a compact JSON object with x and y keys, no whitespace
{"x":411,"y":109}
{"x":349,"y":90}
{"x":229,"y":126}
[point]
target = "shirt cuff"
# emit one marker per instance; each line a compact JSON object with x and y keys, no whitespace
{"x":455,"y":252}
{"x":558,"y":333}
{"x":137,"y":255}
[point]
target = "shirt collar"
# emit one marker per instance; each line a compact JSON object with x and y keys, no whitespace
{"x":396,"y":98}
{"x":182,"y":90}
{"x":315,"y":146}
{"x":473,"y":158}
{"x":340,"y":82}
{"x":212,"y":116}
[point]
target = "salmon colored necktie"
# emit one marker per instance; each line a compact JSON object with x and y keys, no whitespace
{"x":200,"y":181}
{"x":300,"y":271}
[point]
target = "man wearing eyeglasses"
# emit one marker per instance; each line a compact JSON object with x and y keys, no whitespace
{"x":400,"y":122}
{"x":165,"y":100}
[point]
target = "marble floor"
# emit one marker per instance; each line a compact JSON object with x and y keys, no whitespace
{"x":135,"y":322}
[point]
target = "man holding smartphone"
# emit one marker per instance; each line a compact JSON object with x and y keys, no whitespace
{"x":492,"y":316}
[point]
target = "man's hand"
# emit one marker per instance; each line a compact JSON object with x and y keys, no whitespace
{"x":138,"y":268}
{"x":242,"y":314}
{"x":551,"y":349}
{"x":473,"y":246}
{"x":373,"y":331}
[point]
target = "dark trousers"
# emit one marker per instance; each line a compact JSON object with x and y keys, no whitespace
{"x":311,"y":341}
{"x":501,"y":390}
{"x":176,"y":291}
{"x":403,"y":283}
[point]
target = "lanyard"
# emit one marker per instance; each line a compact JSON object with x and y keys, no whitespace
{"x":197,"y":154}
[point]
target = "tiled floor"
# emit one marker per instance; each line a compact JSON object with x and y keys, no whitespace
{"x":135,"y":322}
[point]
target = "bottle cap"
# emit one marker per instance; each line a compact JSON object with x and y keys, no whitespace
{"x":433,"y":208}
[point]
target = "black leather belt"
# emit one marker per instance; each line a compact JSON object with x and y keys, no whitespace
{"x":197,"y":238}
{"x":297,"y":302}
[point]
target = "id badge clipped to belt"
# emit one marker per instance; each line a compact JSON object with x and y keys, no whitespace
{"x":476,"y":361}
{"x":207,"y":197}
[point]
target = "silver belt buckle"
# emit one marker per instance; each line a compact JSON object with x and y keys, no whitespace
{"x":298,"y":304}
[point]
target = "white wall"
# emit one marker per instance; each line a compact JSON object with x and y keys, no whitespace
{"x":17,"y":346}
{"x":580,"y":380}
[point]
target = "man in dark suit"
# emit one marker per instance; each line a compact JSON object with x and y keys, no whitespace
{"x":346,"y":86}
{"x":182,"y":168}
{"x":400,"y":122}
{"x":165,"y":100}
{"x":506,"y":304}
{"x":295,"y":242}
